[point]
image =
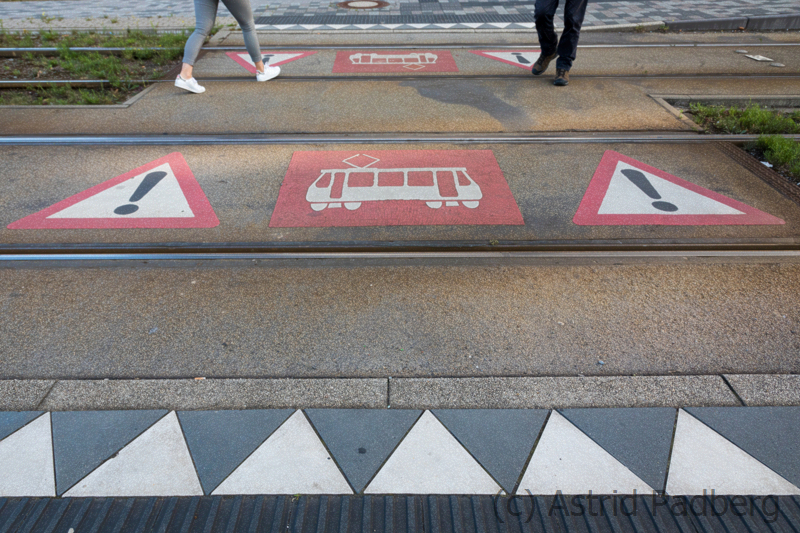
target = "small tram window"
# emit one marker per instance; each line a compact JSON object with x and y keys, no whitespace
{"x":463,"y":181}
{"x":390,"y":179}
{"x":325,"y":181}
{"x":361,"y":179}
{"x":420,"y":178}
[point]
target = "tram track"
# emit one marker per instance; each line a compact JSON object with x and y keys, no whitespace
{"x":373,"y":138}
{"x":99,"y":84}
{"x":16,"y":52}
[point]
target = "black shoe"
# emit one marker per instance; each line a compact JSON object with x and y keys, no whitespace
{"x":542,"y":63}
{"x":562,"y":78}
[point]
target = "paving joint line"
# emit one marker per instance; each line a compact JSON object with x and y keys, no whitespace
{"x":733,"y":390}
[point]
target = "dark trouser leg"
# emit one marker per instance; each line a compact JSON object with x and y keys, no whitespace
{"x":574,"y":11}
{"x":543,"y":13}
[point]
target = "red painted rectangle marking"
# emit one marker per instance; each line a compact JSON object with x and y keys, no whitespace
{"x":394,"y":188}
{"x":407,"y":61}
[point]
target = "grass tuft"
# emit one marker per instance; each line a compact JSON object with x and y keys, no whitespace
{"x":752,"y":119}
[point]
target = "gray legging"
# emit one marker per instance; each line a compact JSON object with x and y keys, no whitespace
{"x":205,"y":11}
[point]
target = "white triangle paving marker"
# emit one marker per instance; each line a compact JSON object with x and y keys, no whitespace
{"x":625,"y":198}
{"x":472,"y":24}
{"x":391,"y":26}
{"x":26,"y":461}
{"x":430,"y":460}
{"x":274,"y":59}
{"x":291,"y":461}
{"x":156,"y":463}
{"x":567,"y":460}
{"x":704,"y":460}
{"x":166,"y":199}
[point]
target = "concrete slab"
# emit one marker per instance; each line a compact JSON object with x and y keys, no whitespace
{"x":360,"y":440}
{"x":640,"y":439}
{"x":567,"y":460}
{"x":770,"y":434}
{"x":157,"y":463}
{"x":431,"y":461}
{"x":334,"y":105}
{"x":560,"y":392}
{"x":703,"y":461}
{"x":84,"y":440}
{"x":291,"y":461}
{"x":766,"y":389}
{"x":216,"y":393}
{"x":12,"y":421}
{"x":23,"y":394}
{"x":439,"y":320}
{"x":500,"y":439}
{"x":590,"y":62}
{"x":220,"y":441}
{"x":242,"y":185}
{"x":26,"y":461}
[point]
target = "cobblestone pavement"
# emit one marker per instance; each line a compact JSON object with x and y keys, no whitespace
{"x":447,"y":13}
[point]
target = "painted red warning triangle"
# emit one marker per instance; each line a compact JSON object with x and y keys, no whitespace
{"x":274,"y":59}
{"x":625,"y":191}
{"x":519,"y":58}
{"x":161,"y":194}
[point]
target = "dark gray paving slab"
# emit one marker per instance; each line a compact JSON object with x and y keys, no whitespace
{"x":220,"y":440}
{"x":82,"y":440}
{"x":770,"y":434}
{"x":361,"y":440}
{"x":12,"y":421}
{"x":500,"y":439}
{"x":639,"y":438}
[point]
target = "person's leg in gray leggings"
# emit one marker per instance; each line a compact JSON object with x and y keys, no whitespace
{"x":206,"y":14}
{"x":243,"y":13}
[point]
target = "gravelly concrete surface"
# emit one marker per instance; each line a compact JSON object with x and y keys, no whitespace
{"x":23,"y":395}
{"x":560,"y":392}
{"x":593,"y":62}
{"x":761,"y":389}
{"x":249,"y":319}
{"x":215,"y":394}
{"x":242,"y":184}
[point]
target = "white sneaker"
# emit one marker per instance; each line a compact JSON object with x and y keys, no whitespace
{"x":190,"y":85}
{"x":268,"y":74}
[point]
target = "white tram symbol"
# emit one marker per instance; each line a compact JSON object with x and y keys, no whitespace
{"x":436,"y":186}
{"x":414,"y":59}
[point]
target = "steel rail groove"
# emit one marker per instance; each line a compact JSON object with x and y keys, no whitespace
{"x":177,"y":256}
{"x":12,"y":52}
{"x":23,"y":84}
{"x":370,"y":138}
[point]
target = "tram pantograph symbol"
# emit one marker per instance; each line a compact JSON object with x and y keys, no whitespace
{"x":412,"y":61}
{"x":436,"y":186}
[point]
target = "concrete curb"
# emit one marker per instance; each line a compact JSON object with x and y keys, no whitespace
{"x":560,"y":392}
{"x":196,"y":394}
{"x":402,"y":393}
{"x":789,"y":21}
{"x":765,"y":389}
